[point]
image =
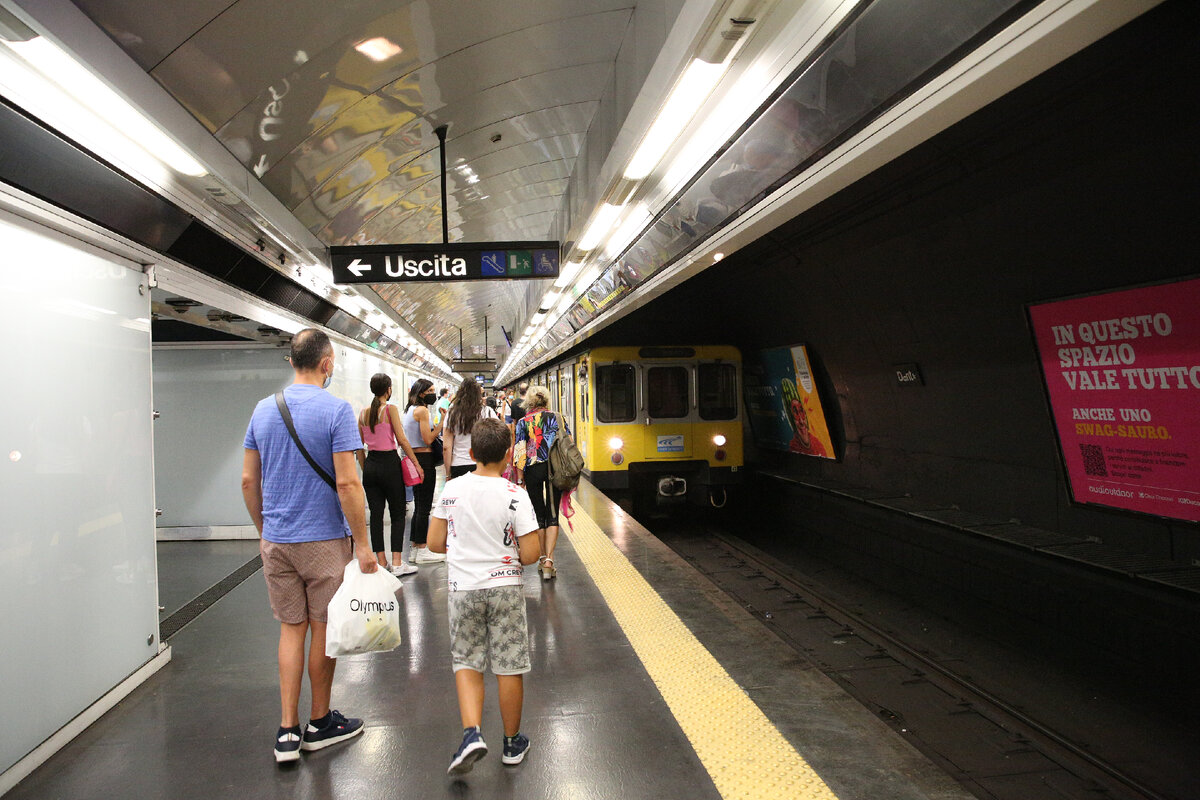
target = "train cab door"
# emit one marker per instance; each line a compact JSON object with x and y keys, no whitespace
{"x":566,"y":404}
{"x":668,"y":390}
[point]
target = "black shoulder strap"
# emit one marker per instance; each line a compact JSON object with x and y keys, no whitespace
{"x":287,"y":420}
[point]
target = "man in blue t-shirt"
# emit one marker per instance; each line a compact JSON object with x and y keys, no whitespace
{"x":309,"y":531}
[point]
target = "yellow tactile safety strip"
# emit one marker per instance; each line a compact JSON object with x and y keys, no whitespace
{"x":711,"y":708}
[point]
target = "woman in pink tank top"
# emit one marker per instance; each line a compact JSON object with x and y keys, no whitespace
{"x":383,"y":479}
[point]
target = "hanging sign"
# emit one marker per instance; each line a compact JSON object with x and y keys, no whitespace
{"x":1123,"y":375}
{"x":441,"y":263}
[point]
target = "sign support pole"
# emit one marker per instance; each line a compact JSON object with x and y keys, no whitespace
{"x":441,"y":134}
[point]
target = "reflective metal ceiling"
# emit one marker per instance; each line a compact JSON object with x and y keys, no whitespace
{"x":334,"y":106}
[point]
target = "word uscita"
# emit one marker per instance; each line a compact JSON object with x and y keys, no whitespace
{"x":436,"y":267}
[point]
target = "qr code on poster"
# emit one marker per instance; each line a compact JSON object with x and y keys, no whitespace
{"x":1093,"y":461}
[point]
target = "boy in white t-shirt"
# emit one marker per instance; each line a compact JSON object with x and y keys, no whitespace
{"x":482,"y":523}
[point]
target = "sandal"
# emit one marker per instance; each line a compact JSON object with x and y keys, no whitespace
{"x":546,"y":568}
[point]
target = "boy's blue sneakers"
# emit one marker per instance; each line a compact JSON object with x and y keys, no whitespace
{"x":515,"y":748}
{"x":287,"y":744}
{"x":471,"y":750}
{"x":332,"y":729}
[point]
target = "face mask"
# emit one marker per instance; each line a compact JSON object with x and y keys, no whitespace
{"x":429,"y":399}
{"x":328,"y":380}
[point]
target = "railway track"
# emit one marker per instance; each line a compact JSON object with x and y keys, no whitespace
{"x":994,"y":748}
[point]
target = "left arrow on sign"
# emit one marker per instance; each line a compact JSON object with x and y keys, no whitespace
{"x":358,"y":267}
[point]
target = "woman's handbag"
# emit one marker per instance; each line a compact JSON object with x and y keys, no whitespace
{"x":408,"y":468}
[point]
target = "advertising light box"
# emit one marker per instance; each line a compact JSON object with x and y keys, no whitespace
{"x":1122,"y":373}
{"x":781,"y":398}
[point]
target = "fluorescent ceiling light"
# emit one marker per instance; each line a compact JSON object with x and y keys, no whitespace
{"x":733,"y":110}
{"x":379,"y":48}
{"x":604,"y":219}
{"x":587,"y":279}
{"x":697,"y":82}
{"x":567,"y":273}
{"x":116,"y":117}
{"x":638,"y":217}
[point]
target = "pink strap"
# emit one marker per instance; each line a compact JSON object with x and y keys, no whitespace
{"x":564,"y":508}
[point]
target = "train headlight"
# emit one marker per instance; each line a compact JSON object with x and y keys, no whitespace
{"x":719,"y":440}
{"x":615,"y":443}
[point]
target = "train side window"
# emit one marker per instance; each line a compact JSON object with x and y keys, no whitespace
{"x":584,"y":410}
{"x":718,"y":391}
{"x":667,"y":392}
{"x":616,"y":396}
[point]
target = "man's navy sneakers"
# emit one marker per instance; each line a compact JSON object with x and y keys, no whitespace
{"x":287,"y":744}
{"x":471,"y":750}
{"x":331,"y":730}
{"x":515,"y":748}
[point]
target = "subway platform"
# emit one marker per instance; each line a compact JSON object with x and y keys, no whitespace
{"x":647,"y":682}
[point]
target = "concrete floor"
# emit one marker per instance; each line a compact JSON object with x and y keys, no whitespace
{"x":187,"y":569}
{"x":202,"y":727}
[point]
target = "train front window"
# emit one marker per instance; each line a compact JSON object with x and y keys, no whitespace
{"x":718,"y":391}
{"x":667,"y":392}
{"x":616,"y":399}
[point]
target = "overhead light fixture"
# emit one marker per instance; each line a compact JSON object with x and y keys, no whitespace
{"x":118,"y":124}
{"x":697,"y":82}
{"x":379,"y":48}
{"x":639,"y":216}
{"x":601,"y":223}
{"x":584,"y":282}
{"x":567,"y":272}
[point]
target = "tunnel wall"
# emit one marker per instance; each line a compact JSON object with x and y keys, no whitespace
{"x":1083,"y":180}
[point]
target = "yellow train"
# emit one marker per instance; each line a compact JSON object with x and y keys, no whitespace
{"x":663,"y":422}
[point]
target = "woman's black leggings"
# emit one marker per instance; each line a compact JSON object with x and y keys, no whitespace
{"x":542,"y":494}
{"x":460,"y":470}
{"x":423,"y":499}
{"x":383,"y":483}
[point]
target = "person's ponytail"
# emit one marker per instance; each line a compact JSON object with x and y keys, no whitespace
{"x":380,"y":384}
{"x":373,"y":419}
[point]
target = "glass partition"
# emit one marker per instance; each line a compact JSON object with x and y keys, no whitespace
{"x":77,"y":552}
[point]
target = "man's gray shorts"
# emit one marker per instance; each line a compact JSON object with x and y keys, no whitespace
{"x":487,"y":626}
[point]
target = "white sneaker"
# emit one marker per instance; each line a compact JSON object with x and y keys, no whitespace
{"x":403,"y":569}
{"x":427,"y":556}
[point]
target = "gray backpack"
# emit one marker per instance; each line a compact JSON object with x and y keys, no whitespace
{"x":566,"y":462}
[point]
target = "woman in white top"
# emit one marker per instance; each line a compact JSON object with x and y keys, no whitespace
{"x":466,"y":409}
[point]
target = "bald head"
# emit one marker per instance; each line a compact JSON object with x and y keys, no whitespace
{"x":309,"y":347}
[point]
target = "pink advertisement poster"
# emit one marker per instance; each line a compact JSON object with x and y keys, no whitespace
{"x":1123,"y":373}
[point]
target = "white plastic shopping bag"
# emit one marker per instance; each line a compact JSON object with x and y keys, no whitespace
{"x":364,"y":614}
